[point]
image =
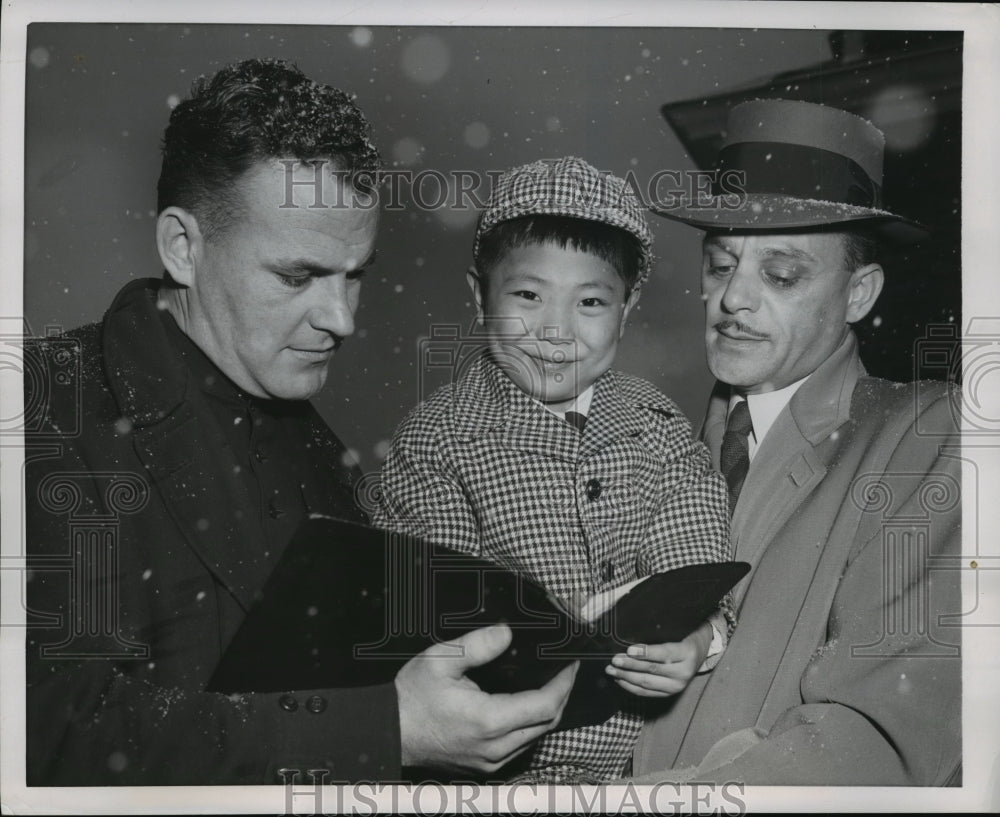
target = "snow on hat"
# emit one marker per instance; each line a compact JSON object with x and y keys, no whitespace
{"x":798,"y":165}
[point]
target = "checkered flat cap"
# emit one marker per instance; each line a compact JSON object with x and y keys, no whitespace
{"x":567,"y":187}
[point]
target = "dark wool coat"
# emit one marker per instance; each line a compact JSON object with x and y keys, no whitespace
{"x":142,"y":570}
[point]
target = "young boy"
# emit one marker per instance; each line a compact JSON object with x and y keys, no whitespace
{"x":542,"y":459}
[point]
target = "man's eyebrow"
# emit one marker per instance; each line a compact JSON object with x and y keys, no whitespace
{"x":715,"y":242}
{"x":302,"y":266}
{"x":786,"y":252}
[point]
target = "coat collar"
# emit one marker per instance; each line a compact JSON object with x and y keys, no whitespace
{"x":147,"y":382}
{"x":486,"y":401}
{"x":823,"y":404}
{"x":818,"y":408}
{"x":176,"y":438}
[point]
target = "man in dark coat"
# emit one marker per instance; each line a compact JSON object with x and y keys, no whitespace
{"x":178,"y":452}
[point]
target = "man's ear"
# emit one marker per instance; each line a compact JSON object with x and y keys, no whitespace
{"x":475,"y":281}
{"x":630,"y":301}
{"x":180,"y":244}
{"x":864,"y":288}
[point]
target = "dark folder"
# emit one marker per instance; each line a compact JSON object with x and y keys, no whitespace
{"x":347,"y":605}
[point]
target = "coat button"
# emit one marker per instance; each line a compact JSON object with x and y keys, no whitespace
{"x":593,"y":489}
{"x":274,"y":511}
{"x":258,"y":454}
{"x":288,"y":703}
{"x":315,"y":704}
{"x":609,"y":571}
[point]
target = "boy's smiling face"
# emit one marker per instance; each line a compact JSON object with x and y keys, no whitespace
{"x":555,"y":316}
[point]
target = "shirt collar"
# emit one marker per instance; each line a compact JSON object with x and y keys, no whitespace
{"x":581,"y":405}
{"x":484,"y":399}
{"x":764,"y":409}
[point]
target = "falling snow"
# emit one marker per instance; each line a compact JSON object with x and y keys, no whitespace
{"x":361,"y":36}
{"x":407,"y":151}
{"x":477,"y":135}
{"x":117,"y":762}
{"x":426,"y":59}
{"x":39,"y":57}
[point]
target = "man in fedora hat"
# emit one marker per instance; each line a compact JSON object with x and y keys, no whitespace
{"x":844,"y":668}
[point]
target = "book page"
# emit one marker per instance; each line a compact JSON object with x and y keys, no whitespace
{"x":598,"y":604}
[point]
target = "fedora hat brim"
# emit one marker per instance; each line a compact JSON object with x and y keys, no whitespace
{"x":774,"y":212}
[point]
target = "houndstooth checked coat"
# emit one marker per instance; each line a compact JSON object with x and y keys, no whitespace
{"x":482,"y":468}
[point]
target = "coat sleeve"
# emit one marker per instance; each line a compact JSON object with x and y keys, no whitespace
{"x":420,"y":492}
{"x":691,"y":523}
{"x":97,"y":718}
{"x":93,"y":724}
{"x":881,"y":697}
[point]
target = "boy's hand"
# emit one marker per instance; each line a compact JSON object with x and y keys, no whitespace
{"x":661,"y":670}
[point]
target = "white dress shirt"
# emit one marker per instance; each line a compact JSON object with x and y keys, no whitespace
{"x":581,"y":405}
{"x":764,"y":410}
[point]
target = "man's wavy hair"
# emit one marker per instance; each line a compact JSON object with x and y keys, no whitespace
{"x":251,"y":111}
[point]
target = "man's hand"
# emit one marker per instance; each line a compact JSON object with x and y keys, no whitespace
{"x":447,"y":722}
{"x":660,"y":670}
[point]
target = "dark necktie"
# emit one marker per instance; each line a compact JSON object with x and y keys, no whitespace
{"x":577,"y":420}
{"x":734,"y":458}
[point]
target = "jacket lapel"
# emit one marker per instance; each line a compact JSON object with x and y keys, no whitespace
{"x":176,"y":439}
{"x":612,"y":417}
{"x":780,"y":477}
{"x":195,"y":478}
{"x":791,"y":460}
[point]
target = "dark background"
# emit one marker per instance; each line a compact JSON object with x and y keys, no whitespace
{"x":481,"y":99}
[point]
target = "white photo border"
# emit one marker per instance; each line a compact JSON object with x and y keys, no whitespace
{"x":981,"y":297}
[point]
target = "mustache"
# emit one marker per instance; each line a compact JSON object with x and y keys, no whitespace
{"x":729,"y":325}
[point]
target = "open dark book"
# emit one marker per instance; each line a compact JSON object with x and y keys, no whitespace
{"x":347,"y":605}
